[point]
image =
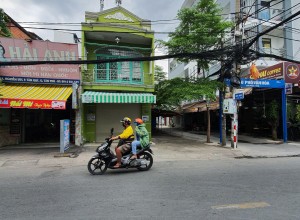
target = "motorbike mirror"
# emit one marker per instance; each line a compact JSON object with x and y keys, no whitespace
{"x":111,"y":131}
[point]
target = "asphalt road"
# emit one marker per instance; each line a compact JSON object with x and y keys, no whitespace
{"x":196,"y":189}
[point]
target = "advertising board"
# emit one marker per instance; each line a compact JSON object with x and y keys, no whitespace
{"x":36,"y":50}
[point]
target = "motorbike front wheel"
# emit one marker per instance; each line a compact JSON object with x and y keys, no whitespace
{"x":97,"y":166}
{"x":148,"y":159}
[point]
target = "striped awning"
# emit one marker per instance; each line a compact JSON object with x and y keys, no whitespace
{"x":34,"y":96}
{"x":106,"y":97}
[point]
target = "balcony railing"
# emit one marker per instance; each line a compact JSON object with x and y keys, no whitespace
{"x":113,"y":76}
{"x":272,"y":14}
{"x":275,"y":51}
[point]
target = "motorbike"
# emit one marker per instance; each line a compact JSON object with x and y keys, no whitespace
{"x":106,"y":158}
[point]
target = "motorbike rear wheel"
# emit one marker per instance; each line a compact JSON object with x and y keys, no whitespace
{"x":97,"y":166}
{"x":149,"y":161}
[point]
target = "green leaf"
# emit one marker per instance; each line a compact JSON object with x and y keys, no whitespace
{"x":201,"y":28}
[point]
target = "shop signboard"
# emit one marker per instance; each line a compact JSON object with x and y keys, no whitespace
{"x":292,"y":74}
{"x":262,"y":83}
{"x":272,"y":72}
{"x":64,"y":135}
{"x":33,"y":104}
{"x":36,"y":50}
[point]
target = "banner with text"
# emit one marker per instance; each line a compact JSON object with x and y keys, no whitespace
{"x":262,"y":83}
{"x":31,"y":103}
{"x":272,"y":72}
{"x":21,"y":50}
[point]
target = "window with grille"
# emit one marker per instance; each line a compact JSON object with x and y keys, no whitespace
{"x":120,"y":71}
{"x":101,"y":70}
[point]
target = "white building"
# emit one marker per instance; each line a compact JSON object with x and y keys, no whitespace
{"x":282,"y":41}
{"x":179,"y":69}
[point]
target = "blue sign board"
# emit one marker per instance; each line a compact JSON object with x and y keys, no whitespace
{"x":262,"y":83}
{"x":288,"y":88}
{"x":239,"y":96}
{"x":227,"y":82}
{"x":13,"y":79}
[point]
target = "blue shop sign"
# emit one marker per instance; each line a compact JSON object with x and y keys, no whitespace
{"x":262,"y":83}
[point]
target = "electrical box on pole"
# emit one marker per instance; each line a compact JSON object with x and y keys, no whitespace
{"x":229,"y":106}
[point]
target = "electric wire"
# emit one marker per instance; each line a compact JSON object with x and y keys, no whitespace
{"x":230,"y":51}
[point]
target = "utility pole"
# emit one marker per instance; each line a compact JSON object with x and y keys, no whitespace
{"x":101,"y":5}
{"x":222,"y":116}
{"x":208,"y":120}
{"x":234,"y":117}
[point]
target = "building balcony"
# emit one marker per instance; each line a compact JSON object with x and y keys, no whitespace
{"x":115,"y":76}
{"x":275,"y":51}
{"x":272,"y":14}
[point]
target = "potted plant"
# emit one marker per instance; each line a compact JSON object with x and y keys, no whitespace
{"x":272,"y":116}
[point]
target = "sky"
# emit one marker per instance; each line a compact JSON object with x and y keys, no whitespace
{"x":73,"y":11}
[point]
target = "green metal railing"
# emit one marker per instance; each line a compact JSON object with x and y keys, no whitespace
{"x":113,"y":76}
{"x":125,"y":75}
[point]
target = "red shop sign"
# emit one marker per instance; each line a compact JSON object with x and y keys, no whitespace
{"x":31,"y":103}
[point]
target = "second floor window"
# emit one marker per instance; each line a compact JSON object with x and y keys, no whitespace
{"x":266,"y":44}
{"x":121,"y":71}
{"x":118,"y":71}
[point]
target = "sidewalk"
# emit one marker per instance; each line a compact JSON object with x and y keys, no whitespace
{"x":167,"y":145}
{"x":247,"y":147}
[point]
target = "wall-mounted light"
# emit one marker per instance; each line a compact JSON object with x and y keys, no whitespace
{"x":117,"y":39}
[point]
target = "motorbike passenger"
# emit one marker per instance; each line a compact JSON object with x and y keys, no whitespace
{"x":142,"y":137}
{"x":126,"y":138}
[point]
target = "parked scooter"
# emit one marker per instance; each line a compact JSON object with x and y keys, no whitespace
{"x":105,"y":158}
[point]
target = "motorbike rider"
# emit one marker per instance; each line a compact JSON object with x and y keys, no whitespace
{"x":142,"y":137}
{"x":126,"y":138}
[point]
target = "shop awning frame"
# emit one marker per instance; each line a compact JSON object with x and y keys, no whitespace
{"x":107,"y":97}
{"x":34,"y":96}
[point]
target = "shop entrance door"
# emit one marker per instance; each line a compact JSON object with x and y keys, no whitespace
{"x":43,"y":125}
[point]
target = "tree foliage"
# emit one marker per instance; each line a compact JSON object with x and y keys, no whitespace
{"x":159,"y":74}
{"x":297,"y":116}
{"x":4,"y":30}
{"x":201,"y":28}
{"x":172,"y":92}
